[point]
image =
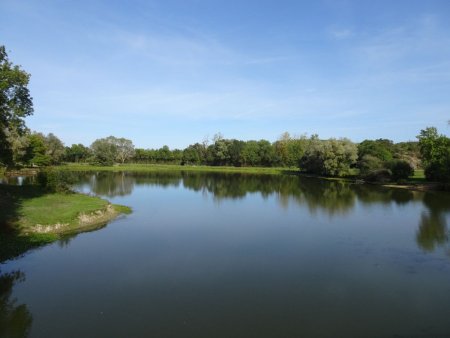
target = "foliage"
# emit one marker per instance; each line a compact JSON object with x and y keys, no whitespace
{"x":18,"y":145}
{"x":55,"y":180}
{"x":401,"y":170}
{"x":104,"y":151}
{"x":76,"y":153}
{"x":125,"y":149}
{"x":15,"y":103}
{"x":194,"y":154}
{"x":36,"y":151}
{"x":379,"y":176}
{"x":288,"y":150}
{"x":369,"y":163}
{"x":381,"y":149}
{"x":111,"y":149}
{"x":15,"y":320}
{"x":409,"y":152}
{"x":329,"y":157}
{"x":54,"y":148}
{"x":435,"y":151}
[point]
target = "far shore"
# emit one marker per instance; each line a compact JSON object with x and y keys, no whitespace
{"x":416,"y":182}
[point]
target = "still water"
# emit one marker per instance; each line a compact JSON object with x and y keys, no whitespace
{"x":209,"y":255}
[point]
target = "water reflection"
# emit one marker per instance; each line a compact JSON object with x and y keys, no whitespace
{"x":320,"y":196}
{"x":433,"y":231}
{"x":183,"y":266}
{"x":15,"y":320}
{"x":18,"y":180}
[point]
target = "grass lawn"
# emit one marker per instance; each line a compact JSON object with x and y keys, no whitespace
{"x":418,"y":177}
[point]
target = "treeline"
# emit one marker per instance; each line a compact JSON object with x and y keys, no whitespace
{"x":377,"y":160}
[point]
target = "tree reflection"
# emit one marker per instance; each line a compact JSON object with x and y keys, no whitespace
{"x":330,"y":197}
{"x":15,"y":320}
{"x":433,"y":230}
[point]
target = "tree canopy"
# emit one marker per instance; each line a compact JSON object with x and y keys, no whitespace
{"x":15,"y":103}
{"x":111,"y":149}
{"x":435,"y":151}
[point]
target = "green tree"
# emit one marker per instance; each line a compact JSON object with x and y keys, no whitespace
{"x":381,"y":148}
{"x":435,"y":151}
{"x":54,"y":148}
{"x":164,"y":154}
{"x":193,"y":154}
{"x":19,"y":143}
{"x":329,"y":157}
{"x":250,"y":153}
{"x":104,"y":150}
{"x":15,"y":103}
{"x":235,"y":149}
{"x":125,"y":149}
{"x":220,"y":153}
{"x":401,"y":170}
{"x":111,"y":149}
{"x":76,"y":153}
{"x":141,"y":155}
{"x":36,"y":152}
{"x":369,"y":163}
{"x":266,"y":153}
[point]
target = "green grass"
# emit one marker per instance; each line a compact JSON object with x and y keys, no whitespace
{"x":175,"y":167}
{"x":122,"y":209}
{"x":25,"y":208}
{"x":57,"y":208}
{"x":419,"y":175}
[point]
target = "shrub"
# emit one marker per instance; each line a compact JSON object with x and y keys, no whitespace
{"x":329,"y":157}
{"x":380,"y":176}
{"x":55,"y":181}
{"x":369,"y":163}
{"x":401,"y":170}
{"x":438,"y":171}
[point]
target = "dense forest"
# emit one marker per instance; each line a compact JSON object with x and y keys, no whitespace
{"x":373,"y":160}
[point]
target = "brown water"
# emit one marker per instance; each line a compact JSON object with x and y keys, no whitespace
{"x":209,"y":255}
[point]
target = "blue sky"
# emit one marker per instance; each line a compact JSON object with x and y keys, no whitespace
{"x":174,"y":72}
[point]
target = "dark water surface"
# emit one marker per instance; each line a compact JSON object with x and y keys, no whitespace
{"x":209,"y":255}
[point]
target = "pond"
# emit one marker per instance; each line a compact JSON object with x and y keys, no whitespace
{"x":215,"y":255}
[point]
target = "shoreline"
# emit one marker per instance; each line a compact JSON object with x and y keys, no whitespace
{"x":420,"y":185}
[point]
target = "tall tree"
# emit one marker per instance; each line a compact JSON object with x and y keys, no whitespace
{"x":105,"y":150}
{"x":15,"y":103}
{"x":36,"y":153}
{"x":111,"y":149}
{"x":125,"y":149}
{"x":329,"y":157}
{"x":55,"y":148}
{"x":435,"y":151}
{"x":76,"y":153}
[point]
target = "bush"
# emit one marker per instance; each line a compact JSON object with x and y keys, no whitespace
{"x":369,"y":163}
{"x":55,"y":181}
{"x":380,"y":176}
{"x":438,"y":171}
{"x":401,"y":170}
{"x":329,"y":157}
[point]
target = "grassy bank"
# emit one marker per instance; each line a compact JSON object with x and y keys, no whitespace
{"x":415,"y":182}
{"x":31,"y":217}
{"x":176,"y":167}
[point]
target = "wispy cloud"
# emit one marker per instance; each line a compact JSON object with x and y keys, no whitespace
{"x":341,"y":33}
